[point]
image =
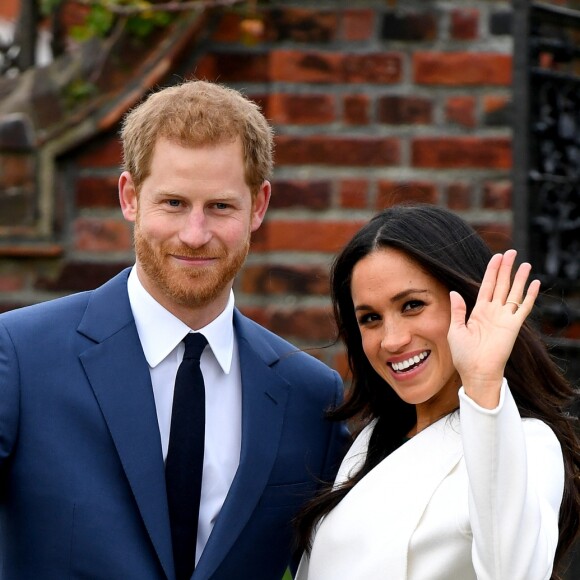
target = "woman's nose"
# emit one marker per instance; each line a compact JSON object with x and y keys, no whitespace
{"x":396,"y":336}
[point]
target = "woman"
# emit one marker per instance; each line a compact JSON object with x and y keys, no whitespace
{"x":467,"y":465}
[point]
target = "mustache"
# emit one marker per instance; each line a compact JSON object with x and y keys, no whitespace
{"x":185,"y":252}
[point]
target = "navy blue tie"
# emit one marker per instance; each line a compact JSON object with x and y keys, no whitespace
{"x":184,"y":462}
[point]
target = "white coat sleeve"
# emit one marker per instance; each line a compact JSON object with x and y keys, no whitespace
{"x":516,"y":480}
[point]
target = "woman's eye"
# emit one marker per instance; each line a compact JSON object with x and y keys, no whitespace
{"x":413,"y":305}
{"x":367,"y":318}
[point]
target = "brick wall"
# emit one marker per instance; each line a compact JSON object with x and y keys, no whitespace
{"x":373,"y":103}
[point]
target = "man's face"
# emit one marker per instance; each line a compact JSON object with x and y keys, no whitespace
{"x":193,"y":219}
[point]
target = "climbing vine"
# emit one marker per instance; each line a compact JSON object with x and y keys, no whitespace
{"x":102,"y":19}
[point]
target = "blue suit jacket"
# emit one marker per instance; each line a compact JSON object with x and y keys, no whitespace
{"x":81,"y":470}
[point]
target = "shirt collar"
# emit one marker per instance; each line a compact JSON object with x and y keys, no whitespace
{"x":160,"y":331}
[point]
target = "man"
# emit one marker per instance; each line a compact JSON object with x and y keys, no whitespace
{"x":87,"y":382}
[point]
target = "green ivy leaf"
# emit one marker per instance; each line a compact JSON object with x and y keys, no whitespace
{"x":143,"y":24}
{"x":99,"y":21}
{"x":47,"y":7}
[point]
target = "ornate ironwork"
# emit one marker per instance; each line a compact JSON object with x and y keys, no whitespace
{"x":554,"y":143}
{"x":546,"y":172}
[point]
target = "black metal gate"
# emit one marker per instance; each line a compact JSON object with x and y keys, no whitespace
{"x":546,"y":202}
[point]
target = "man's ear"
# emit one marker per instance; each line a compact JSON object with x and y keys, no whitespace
{"x":128,"y":197}
{"x":260,"y":205}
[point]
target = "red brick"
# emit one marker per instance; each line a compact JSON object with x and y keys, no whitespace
{"x":311,"y":194}
{"x":409,"y":26}
{"x":261,"y":99}
{"x":102,"y":235}
{"x":461,"y":110}
{"x":11,"y":282}
{"x":312,"y":66}
{"x":358,"y":24}
{"x":10,"y":9}
{"x":462,"y":68}
{"x":287,"y":109}
{"x":497,"y":111}
{"x":257,"y":314}
{"x":459,"y":196}
{"x":32,"y":250}
{"x":404,"y":110}
{"x":341,"y":151}
{"x":393,"y":192}
{"x":8,"y":306}
{"x":462,"y":152}
{"x":79,"y":276}
{"x":226,"y":67}
{"x":310,"y":324}
{"x":497,"y":236}
{"x":282,"y":279}
{"x":356,"y":109}
{"x":494,"y":103}
{"x":307,"y":236}
{"x":381,"y":68}
{"x":332,"y":67}
{"x":354,"y":193}
{"x":97,"y":191}
{"x":228,"y":29}
{"x":105,"y":152}
{"x":497,"y":194}
{"x":464,"y":24}
{"x":300,"y":25}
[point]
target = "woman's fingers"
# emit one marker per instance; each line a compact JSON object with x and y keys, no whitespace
{"x":489,"y":281}
{"x":504,"y":276}
{"x":497,"y":285}
{"x":530,"y":298}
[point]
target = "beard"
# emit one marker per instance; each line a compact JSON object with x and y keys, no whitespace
{"x":188,"y":287}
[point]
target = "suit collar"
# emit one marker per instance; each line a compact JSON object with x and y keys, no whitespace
{"x":108,"y":309}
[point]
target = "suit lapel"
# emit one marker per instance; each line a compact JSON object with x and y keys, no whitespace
{"x":119,"y":376}
{"x":264,"y":396}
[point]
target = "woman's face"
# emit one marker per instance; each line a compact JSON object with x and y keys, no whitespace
{"x":403,"y":315}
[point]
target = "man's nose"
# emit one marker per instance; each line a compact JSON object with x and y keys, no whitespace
{"x":195,"y":231}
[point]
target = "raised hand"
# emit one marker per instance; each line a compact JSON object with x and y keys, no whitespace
{"x":481,"y":346}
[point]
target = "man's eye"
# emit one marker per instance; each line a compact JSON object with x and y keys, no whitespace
{"x":174,"y":202}
{"x":220,"y":205}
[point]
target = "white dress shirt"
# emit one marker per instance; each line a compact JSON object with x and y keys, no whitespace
{"x":161,"y":335}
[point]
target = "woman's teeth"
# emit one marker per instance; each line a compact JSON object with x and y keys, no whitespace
{"x":410,"y":362}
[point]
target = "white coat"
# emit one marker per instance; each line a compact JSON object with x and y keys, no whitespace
{"x":474,"y":496}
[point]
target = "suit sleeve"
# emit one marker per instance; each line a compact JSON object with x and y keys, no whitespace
{"x":9,"y":394}
{"x":516,"y":480}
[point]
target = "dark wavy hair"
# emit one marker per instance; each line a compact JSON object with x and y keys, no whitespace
{"x":453,"y":253}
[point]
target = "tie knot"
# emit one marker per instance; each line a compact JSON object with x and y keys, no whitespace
{"x":194,"y":345}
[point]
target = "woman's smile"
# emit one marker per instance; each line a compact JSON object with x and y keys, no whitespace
{"x":403,"y":316}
